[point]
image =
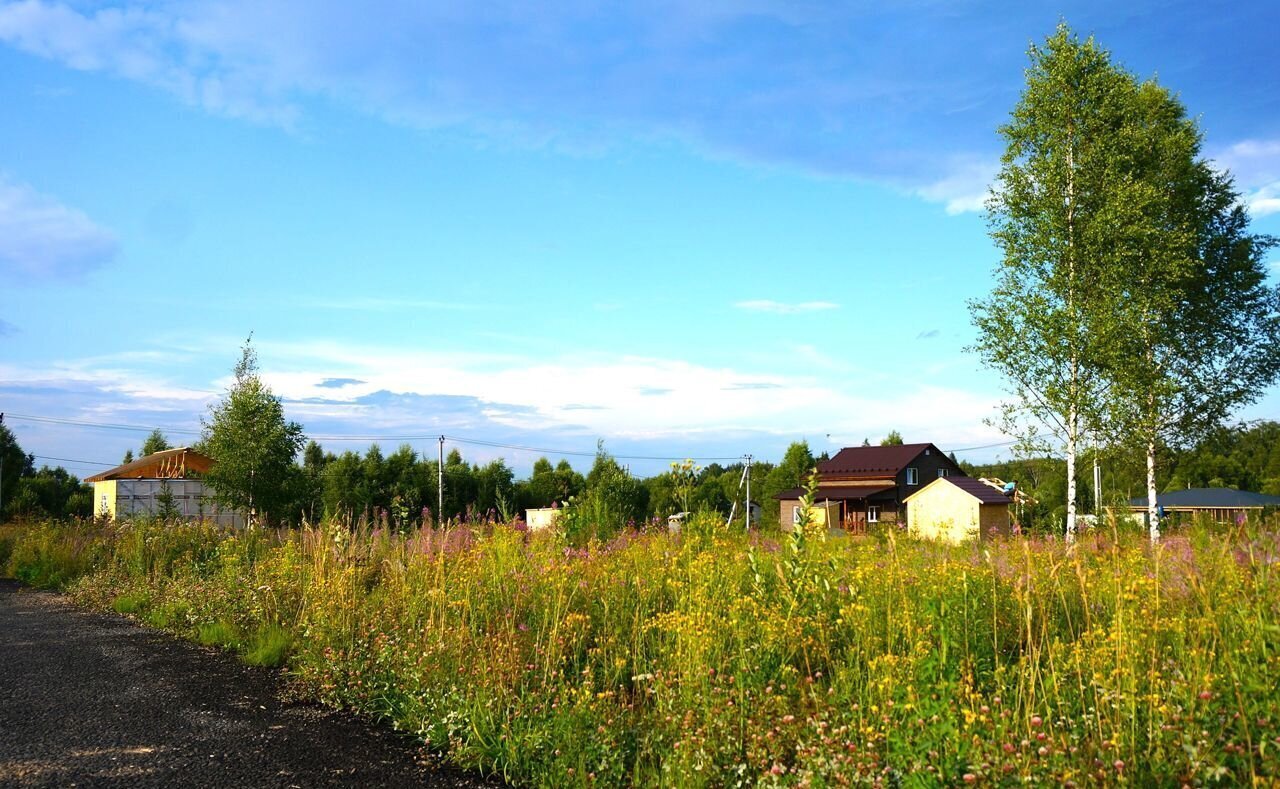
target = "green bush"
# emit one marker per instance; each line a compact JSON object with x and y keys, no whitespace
{"x":128,"y":604}
{"x":268,"y":647}
{"x":217,"y":634}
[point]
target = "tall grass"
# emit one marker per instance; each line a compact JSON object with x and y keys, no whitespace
{"x":715,"y":658}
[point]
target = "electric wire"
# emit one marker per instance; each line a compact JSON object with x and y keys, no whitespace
{"x":413,"y":437}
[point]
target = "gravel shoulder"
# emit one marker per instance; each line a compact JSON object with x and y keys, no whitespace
{"x":90,"y":699}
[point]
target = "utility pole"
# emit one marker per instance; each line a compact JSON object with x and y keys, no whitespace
{"x":1,"y":474}
{"x":748,"y":508}
{"x":440,"y":486}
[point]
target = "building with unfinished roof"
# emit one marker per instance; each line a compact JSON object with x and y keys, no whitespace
{"x":141,"y":487}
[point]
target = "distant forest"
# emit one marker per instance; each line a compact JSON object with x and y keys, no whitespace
{"x":1245,"y":457}
{"x":401,"y":486}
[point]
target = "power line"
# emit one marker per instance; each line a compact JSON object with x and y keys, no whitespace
{"x":423,"y":437}
{"x":73,"y":460}
{"x":987,"y":446}
{"x":580,"y":453}
{"x":104,"y":425}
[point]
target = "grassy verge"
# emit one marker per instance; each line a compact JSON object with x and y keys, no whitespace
{"x":721,"y":659}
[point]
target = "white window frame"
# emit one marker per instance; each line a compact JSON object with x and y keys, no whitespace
{"x":795,"y":514}
{"x":913,"y":476}
{"x":873,"y":513}
{"x":944,"y":472}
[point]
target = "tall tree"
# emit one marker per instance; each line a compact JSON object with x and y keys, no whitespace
{"x":156,"y":442}
{"x":1053,"y":215}
{"x":1198,"y":326}
{"x":252,"y":444}
{"x":894,"y":439}
{"x":14,"y":465}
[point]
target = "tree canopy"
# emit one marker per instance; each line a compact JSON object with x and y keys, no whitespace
{"x":253,"y":446}
{"x":156,"y":442}
{"x":1130,"y":298}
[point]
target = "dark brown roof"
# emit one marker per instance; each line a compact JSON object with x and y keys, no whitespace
{"x":169,"y":464}
{"x":837,"y":492}
{"x":974,"y":487}
{"x":869,"y":461}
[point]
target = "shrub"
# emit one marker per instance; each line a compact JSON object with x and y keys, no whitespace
{"x":268,"y":647}
{"x":127,"y":604}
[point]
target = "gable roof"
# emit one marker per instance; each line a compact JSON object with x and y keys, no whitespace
{"x":982,"y":491}
{"x":169,"y":464}
{"x":1210,"y":498}
{"x":836,"y":492}
{"x":874,"y":460}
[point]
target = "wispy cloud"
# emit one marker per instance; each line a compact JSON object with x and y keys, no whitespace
{"x":928,"y":335}
{"x":339,"y":383}
{"x":40,"y":237}
{"x":7,"y":329}
{"x":785,"y":308}
{"x":564,"y":402}
{"x":1256,"y":167}
{"x":964,"y":187}
{"x":568,"y":76}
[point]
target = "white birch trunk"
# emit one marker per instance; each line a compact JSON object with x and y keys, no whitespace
{"x":1153,"y":509}
{"x":1072,"y":419}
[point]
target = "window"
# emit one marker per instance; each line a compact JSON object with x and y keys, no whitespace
{"x":873,"y":513}
{"x":913,"y":476}
{"x":795,"y":514}
{"x":943,"y":472}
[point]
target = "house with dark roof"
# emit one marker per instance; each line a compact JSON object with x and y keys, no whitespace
{"x":862,"y":485}
{"x":1224,"y":505}
{"x":954,"y":509}
{"x":142,"y":488}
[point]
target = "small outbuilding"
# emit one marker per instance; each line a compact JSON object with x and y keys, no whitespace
{"x":540,"y":518}
{"x":958,"y":508}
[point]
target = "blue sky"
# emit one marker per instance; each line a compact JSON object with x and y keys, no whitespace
{"x":687,"y":228}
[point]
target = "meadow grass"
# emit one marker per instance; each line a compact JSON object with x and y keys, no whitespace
{"x":715,"y":658}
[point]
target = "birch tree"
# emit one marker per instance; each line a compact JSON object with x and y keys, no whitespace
{"x":253,"y":446}
{"x":1044,"y":325}
{"x":1197,"y":326}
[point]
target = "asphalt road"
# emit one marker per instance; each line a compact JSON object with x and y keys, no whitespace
{"x":95,"y":700}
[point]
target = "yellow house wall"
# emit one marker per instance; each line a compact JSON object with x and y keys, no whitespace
{"x":941,"y":511}
{"x":104,"y":498}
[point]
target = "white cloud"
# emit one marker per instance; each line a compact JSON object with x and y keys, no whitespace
{"x":40,"y":237}
{"x":151,"y":47}
{"x":965,"y":188}
{"x":1256,"y":167}
{"x":524,"y":400}
{"x":1265,"y":200}
{"x":785,"y":308}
